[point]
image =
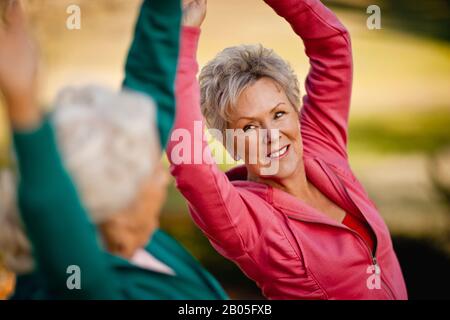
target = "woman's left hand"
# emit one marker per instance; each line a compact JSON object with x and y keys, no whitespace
{"x":194,"y":13}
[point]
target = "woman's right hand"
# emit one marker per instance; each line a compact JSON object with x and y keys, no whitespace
{"x":194,"y":12}
{"x":18,"y":67}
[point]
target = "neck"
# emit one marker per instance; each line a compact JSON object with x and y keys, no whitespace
{"x":296,"y":184}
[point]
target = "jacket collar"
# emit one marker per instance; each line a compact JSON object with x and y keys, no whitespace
{"x":317,"y":173}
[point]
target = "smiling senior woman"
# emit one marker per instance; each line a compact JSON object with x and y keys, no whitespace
{"x":109,"y":145}
{"x":308,"y":230}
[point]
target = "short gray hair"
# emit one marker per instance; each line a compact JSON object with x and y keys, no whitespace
{"x":109,"y":145}
{"x":223,"y":79}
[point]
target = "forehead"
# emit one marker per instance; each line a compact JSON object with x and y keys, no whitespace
{"x":260,"y":97}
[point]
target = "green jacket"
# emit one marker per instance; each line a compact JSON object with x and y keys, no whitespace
{"x":152,"y":60}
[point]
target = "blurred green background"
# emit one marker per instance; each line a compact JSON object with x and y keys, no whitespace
{"x":399,"y":140}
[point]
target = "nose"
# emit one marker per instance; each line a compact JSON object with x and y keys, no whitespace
{"x":270,"y":135}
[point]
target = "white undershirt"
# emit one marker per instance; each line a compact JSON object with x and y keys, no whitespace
{"x":144,"y":259}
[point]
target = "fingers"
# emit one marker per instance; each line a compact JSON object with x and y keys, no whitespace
{"x":3,"y":6}
{"x":197,"y":3}
{"x":14,"y":16}
{"x":13,"y":21}
{"x":186,"y":3}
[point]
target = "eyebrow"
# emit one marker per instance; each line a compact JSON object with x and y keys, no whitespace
{"x":271,"y":110}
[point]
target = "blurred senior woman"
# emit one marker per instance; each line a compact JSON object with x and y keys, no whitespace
{"x":109,"y":144}
{"x":306,"y":230}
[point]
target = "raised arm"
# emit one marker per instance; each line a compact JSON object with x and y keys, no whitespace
{"x":152,"y":59}
{"x":216,"y":205}
{"x":324,"y":117}
{"x":56,"y":223}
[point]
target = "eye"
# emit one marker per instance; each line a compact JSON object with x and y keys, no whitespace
{"x":248,"y":127}
{"x":279,"y":114}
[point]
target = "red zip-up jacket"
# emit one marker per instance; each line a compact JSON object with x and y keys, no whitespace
{"x":288,"y":248}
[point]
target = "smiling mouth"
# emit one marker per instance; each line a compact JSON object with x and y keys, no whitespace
{"x":280,"y":153}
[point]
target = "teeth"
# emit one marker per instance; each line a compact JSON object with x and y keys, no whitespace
{"x":278,"y":153}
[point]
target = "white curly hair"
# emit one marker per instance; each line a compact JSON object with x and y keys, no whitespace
{"x":109,"y":145}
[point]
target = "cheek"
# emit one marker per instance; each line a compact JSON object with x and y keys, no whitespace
{"x":299,"y":142}
{"x":292,"y":132}
{"x":157,"y":199}
{"x":255,"y":150}
{"x":246,"y":147}
{"x":292,"y":125}
{"x":152,"y":208}
{"x":146,"y":224}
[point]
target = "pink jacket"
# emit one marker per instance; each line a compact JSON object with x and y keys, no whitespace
{"x":288,"y":248}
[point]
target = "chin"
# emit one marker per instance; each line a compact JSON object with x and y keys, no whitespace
{"x":280,"y":175}
{"x":280,"y":171}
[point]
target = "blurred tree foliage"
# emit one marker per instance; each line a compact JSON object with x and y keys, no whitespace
{"x":426,"y":131}
{"x":429,"y":18}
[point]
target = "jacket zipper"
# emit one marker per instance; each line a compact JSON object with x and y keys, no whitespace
{"x":372,"y":255}
{"x":372,"y":258}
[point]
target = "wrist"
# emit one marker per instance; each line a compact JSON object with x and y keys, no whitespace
{"x":23,"y":112}
{"x":190,"y":24}
{"x":194,"y":23}
{"x":189,"y":41}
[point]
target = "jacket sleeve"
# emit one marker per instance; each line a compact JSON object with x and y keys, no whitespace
{"x":216,"y":205}
{"x":324,"y":116}
{"x":152,"y":59}
{"x":57,"y":223}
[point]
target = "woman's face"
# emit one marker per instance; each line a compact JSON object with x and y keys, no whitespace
{"x":268,"y":136}
{"x":131,"y":229}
